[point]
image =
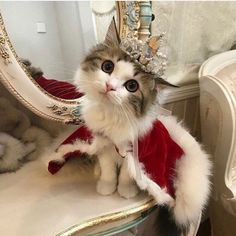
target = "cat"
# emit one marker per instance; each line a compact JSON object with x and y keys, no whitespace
{"x":115,"y":112}
{"x":119,"y":106}
{"x":34,"y":72}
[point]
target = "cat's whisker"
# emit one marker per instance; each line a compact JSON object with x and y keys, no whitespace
{"x":88,"y":84}
{"x":131,"y":122}
{"x":129,"y":111}
{"x":116,"y":99}
{"x":95,"y":84}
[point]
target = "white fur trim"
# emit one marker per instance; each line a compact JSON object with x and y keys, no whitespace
{"x":192,"y":185}
{"x":138,"y":173}
{"x":14,"y":152}
{"x":39,"y":137}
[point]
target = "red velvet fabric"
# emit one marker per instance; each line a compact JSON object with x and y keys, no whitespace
{"x":60,"y":89}
{"x":157,"y":152}
{"x":81,"y":133}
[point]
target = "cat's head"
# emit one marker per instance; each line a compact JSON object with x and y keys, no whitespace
{"x":108,"y":75}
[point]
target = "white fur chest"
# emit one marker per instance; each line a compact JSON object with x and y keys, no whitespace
{"x":106,"y":120}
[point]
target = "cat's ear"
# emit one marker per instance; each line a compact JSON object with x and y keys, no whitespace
{"x":161,"y":84}
{"x":161,"y":81}
{"x":112,"y":37}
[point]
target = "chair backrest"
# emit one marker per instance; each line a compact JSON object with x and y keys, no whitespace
{"x":218,"y":123}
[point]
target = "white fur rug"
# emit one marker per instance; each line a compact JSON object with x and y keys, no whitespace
{"x":35,"y":203}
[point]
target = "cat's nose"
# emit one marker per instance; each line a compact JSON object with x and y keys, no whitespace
{"x":109,"y":87}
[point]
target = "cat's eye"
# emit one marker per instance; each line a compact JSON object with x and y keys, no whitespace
{"x":108,"y":66}
{"x":131,"y":85}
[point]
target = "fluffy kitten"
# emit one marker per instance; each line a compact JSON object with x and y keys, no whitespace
{"x":119,"y":107}
{"x":35,"y":72}
{"x":116,"y":107}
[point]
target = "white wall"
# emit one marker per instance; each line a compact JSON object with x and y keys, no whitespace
{"x":87,"y":23}
{"x":73,"y":35}
{"x":42,"y":49}
{"x":70,"y":32}
{"x":103,"y":12}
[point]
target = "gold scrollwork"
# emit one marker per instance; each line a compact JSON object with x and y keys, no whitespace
{"x":129,"y":19}
{"x":3,"y":50}
{"x":73,"y":114}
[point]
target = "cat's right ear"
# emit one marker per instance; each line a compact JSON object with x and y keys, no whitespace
{"x":112,"y":38}
{"x":163,"y":83}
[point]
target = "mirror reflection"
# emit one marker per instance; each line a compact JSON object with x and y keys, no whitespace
{"x":51,"y":38}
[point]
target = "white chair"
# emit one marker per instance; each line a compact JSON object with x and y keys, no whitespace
{"x":218,"y":127}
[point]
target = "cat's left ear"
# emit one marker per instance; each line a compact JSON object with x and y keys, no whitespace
{"x":161,"y":84}
{"x":112,"y":37}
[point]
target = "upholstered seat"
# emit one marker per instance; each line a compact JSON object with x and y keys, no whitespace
{"x":33,"y":202}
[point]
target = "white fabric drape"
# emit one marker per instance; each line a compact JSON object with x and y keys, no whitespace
{"x":195,"y":31}
{"x":103,"y":12}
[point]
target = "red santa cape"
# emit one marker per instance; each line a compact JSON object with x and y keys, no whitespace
{"x":157,"y":154}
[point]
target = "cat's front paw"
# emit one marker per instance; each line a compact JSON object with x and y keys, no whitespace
{"x":57,"y":156}
{"x":106,"y":187}
{"x":64,"y":149}
{"x":128,"y":190}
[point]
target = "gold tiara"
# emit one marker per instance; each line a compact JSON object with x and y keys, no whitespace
{"x":149,"y":54}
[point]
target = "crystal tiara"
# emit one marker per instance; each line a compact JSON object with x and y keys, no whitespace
{"x":148,"y":54}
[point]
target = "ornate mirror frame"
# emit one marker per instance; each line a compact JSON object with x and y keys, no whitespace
{"x":134,"y":19}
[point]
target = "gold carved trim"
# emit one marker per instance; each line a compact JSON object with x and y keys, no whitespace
{"x":25,"y":102}
{"x":73,"y":113}
{"x":3,"y":50}
{"x":108,"y":218}
{"x":128,"y":18}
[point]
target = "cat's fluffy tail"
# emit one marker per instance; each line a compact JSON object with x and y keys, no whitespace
{"x":192,"y":184}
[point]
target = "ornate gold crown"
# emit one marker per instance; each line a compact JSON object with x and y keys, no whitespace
{"x":149,"y":54}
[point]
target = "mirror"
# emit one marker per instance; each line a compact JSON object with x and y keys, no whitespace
{"x":53,"y":37}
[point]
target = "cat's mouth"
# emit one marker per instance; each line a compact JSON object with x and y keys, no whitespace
{"x":110,"y":96}
{"x":108,"y":90}
{"x":106,"y":93}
